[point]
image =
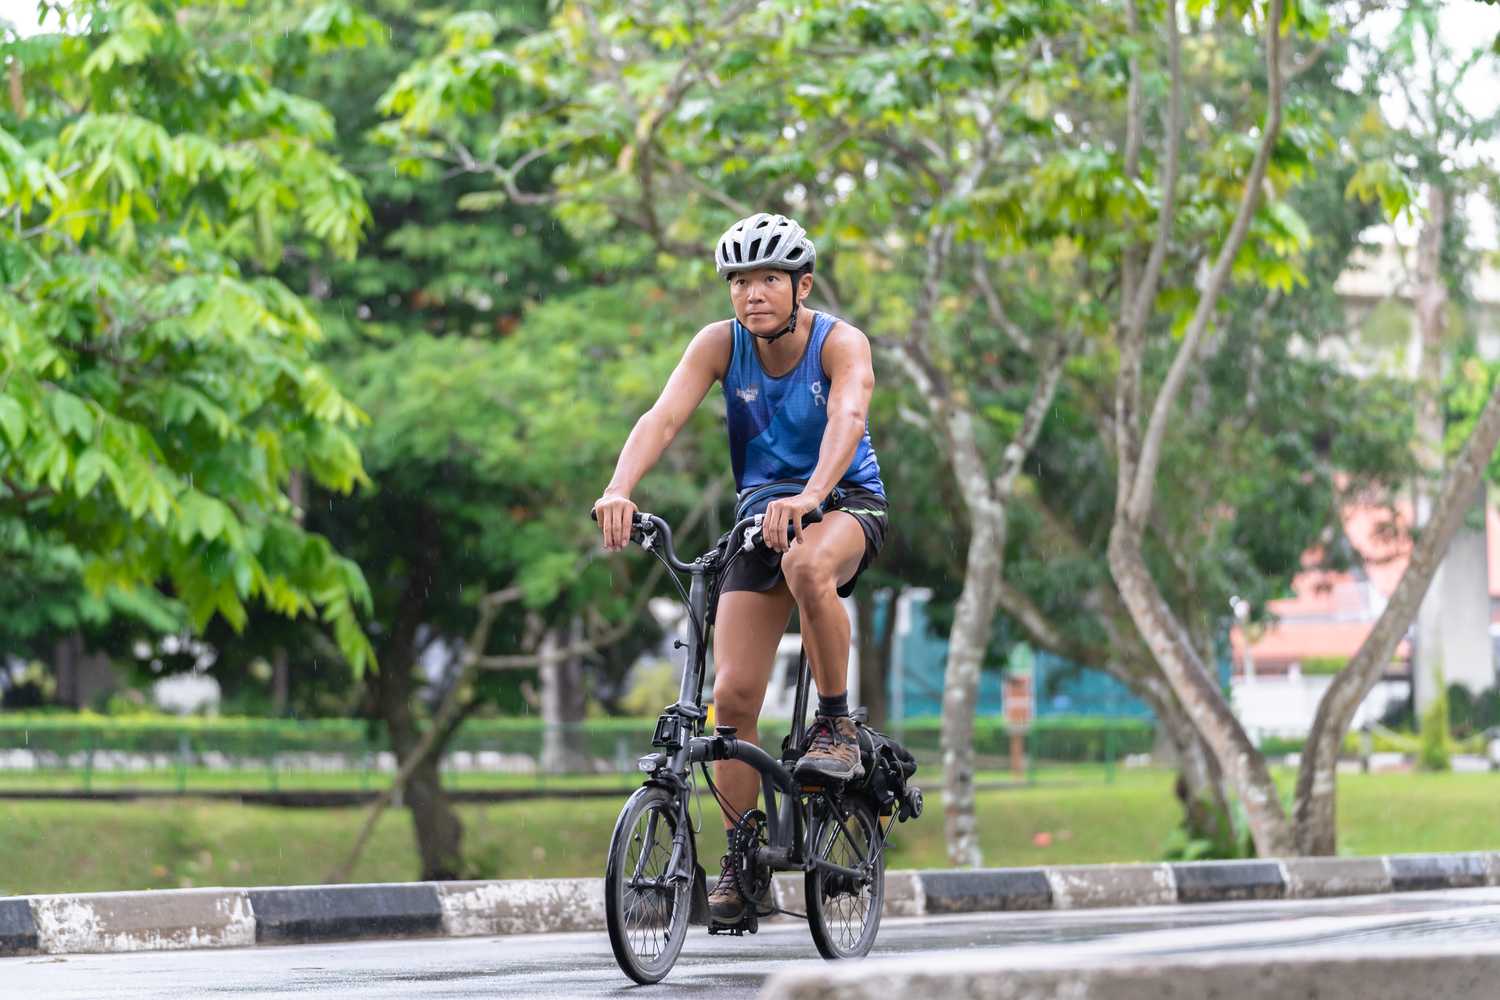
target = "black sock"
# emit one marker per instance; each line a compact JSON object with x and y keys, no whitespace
{"x":833,"y":706}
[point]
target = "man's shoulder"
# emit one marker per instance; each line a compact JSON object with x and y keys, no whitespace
{"x":711,"y":347}
{"x":845,"y":331}
{"x":843,"y":342}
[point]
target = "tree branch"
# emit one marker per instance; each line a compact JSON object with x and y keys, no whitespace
{"x":998,"y":315}
{"x":1135,"y":128}
{"x":1142,"y":490}
{"x":1031,"y":423}
{"x":1016,"y":603}
{"x":1315,"y":777}
{"x":1145,"y":292}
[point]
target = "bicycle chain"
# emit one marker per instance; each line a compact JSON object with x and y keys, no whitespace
{"x":754,"y":880}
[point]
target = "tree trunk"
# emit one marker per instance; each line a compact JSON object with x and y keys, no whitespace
{"x":439,"y":832}
{"x":564,"y":705}
{"x":1430,"y":302}
{"x":1316,"y":803}
{"x":280,"y":682}
{"x":66,"y":654}
{"x":875,"y":651}
{"x":1200,"y":786}
{"x":1200,"y":782}
{"x":1243,"y":767}
{"x":973,"y":621}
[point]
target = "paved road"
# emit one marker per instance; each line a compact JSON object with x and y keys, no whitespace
{"x":555,"y":966}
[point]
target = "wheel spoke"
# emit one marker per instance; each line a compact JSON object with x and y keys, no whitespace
{"x":846,"y":906}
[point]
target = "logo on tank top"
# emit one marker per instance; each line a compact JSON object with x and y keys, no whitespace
{"x":748,"y":394}
{"x":817,"y":393}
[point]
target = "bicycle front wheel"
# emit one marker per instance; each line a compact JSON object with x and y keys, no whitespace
{"x":645,"y":907}
{"x":843,"y":911}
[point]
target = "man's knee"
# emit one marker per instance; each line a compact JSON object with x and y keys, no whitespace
{"x":808,"y":571}
{"x":735,"y":703}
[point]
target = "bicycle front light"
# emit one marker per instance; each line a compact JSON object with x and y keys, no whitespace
{"x":651,"y":762}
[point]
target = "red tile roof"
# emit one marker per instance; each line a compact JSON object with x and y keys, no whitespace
{"x":1330,"y":613}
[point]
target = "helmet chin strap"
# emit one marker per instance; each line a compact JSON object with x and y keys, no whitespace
{"x":791,"y":324}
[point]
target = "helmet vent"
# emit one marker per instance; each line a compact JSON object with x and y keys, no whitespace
{"x":763,"y":240}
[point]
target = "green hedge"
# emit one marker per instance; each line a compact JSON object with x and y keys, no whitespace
{"x":256,"y":737}
{"x":1060,"y":738}
{"x":1380,"y":742}
{"x":1055,"y":738}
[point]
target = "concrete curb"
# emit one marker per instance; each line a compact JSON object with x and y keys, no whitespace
{"x":1226,"y":881}
{"x":228,"y":918}
{"x":344,"y":912}
{"x":17,"y":928}
{"x":144,"y":921}
{"x":1468,"y":970}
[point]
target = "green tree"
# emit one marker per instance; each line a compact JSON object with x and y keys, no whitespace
{"x":874,"y":125}
{"x":1438,"y":144}
{"x":157,"y":386}
{"x":502,"y":363}
{"x":1258,"y":240}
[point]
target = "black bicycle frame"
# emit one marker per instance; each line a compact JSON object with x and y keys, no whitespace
{"x":679,"y":729}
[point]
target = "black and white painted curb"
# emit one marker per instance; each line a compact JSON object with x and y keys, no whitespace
{"x":229,"y":918}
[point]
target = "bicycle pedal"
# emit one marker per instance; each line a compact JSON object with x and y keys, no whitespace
{"x":746,"y":925}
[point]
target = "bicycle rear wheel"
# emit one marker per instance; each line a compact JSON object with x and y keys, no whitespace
{"x":645,"y":909}
{"x":843,"y":912}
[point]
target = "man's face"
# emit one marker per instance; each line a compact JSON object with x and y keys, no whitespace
{"x":763,"y":299}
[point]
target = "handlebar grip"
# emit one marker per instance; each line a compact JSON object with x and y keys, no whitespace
{"x":811,"y":517}
{"x":636,"y":520}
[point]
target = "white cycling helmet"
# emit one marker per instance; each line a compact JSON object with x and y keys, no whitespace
{"x":764,"y":240}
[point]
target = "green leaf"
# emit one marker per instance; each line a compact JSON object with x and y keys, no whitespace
{"x":12,"y":421}
{"x":92,"y":464}
{"x":72,"y":415}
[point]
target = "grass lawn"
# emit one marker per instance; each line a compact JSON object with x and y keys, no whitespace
{"x":96,"y":846}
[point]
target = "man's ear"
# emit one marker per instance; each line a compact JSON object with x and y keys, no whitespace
{"x":804,"y":287}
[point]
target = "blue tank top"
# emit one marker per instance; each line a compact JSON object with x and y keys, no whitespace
{"x":776,"y":424}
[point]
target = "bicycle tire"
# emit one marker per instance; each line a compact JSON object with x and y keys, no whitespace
{"x":646,"y":928}
{"x":843,"y":917}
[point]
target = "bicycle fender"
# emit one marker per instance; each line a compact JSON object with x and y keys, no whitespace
{"x":698,"y":911}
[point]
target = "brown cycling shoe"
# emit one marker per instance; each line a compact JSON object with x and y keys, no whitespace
{"x":726,"y":905}
{"x":832,"y":751}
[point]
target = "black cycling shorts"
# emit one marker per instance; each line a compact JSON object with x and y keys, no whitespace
{"x":760,"y":569}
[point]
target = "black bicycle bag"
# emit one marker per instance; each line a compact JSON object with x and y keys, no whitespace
{"x":889,"y":767}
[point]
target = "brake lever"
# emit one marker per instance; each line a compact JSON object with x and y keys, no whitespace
{"x":752,"y":534}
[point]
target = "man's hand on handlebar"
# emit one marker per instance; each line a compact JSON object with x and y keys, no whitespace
{"x":614,"y":514}
{"x":785,"y":514}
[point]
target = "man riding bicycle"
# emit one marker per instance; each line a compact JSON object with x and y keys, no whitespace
{"x":797,"y":387}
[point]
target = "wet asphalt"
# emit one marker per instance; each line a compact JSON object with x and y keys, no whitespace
{"x":549,"y":966}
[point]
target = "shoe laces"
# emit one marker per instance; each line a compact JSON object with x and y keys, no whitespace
{"x":728,"y":873}
{"x":822,"y":735}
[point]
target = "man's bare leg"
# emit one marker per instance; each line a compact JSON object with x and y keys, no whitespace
{"x":748,"y":630}
{"x":827,"y":556}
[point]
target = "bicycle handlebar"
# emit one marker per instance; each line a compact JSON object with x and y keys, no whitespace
{"x":641,"y":520}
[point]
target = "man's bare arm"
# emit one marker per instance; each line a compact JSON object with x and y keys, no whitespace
{"x":702,"y":364}
{"x":846,"y":358}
